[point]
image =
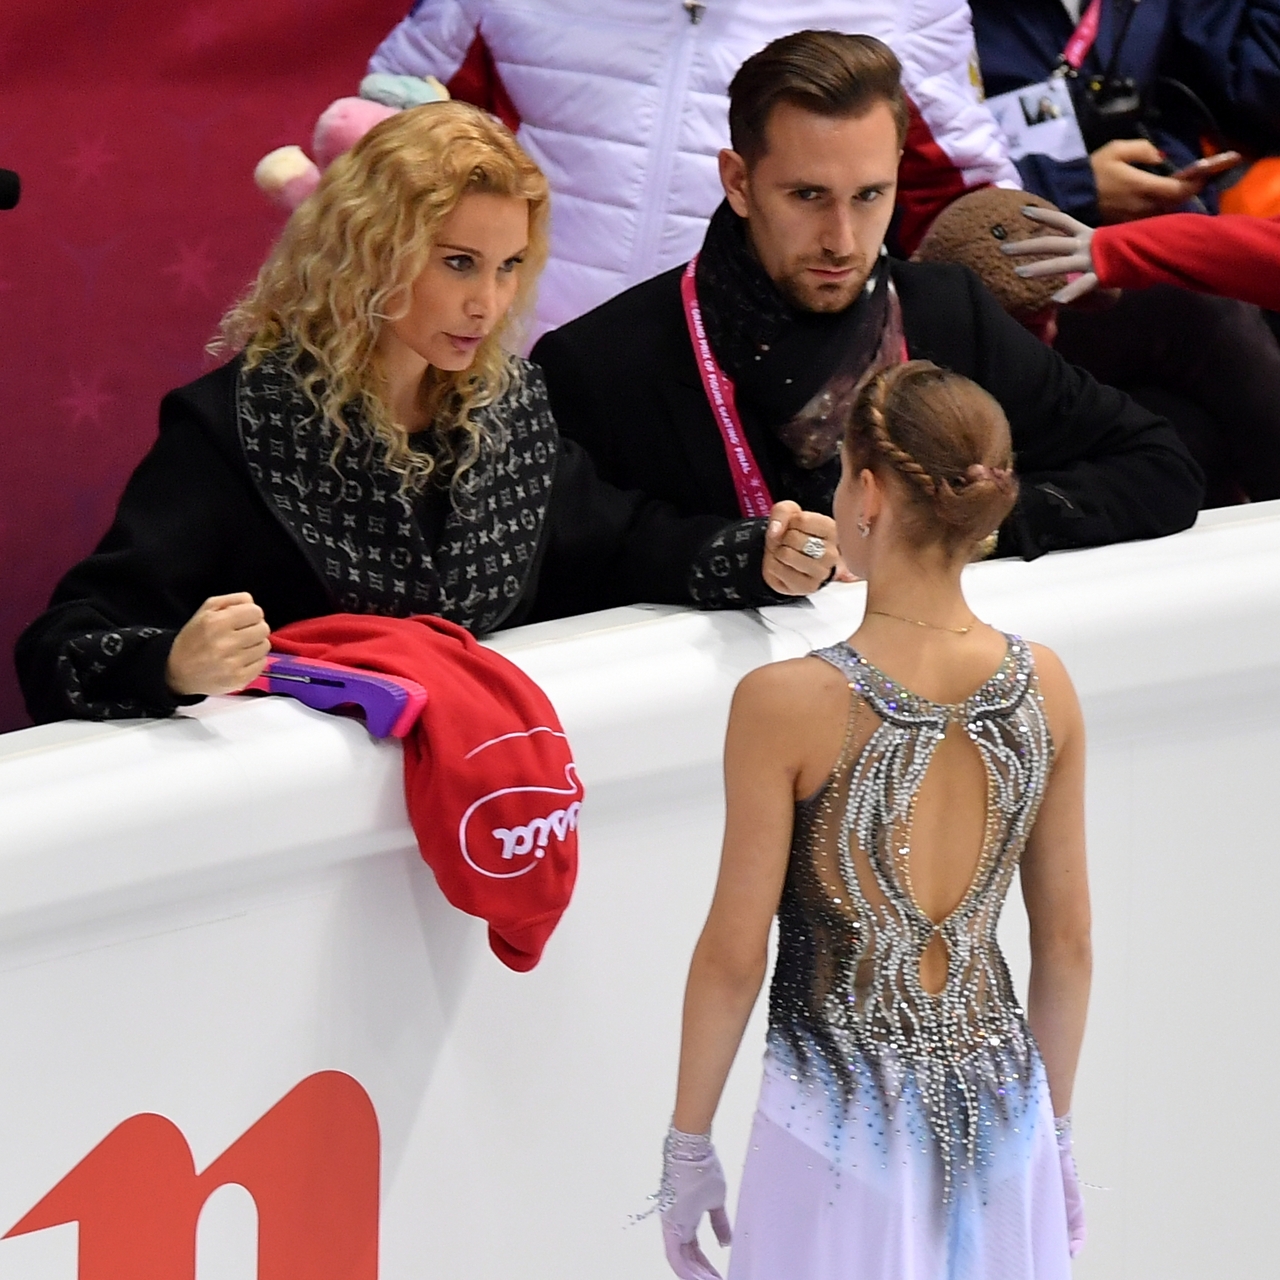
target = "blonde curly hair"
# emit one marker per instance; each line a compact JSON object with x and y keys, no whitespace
{"x":344,"y":263}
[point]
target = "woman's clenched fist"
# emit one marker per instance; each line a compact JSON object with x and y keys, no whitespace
{"x":223,"y":646}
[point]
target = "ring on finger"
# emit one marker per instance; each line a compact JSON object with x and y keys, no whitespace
{"x":814,"y":547}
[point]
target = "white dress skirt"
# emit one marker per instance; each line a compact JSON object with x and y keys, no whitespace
{"x":862,"y":1196}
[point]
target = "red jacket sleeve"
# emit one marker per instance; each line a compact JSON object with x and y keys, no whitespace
{"x":1233,"y":255}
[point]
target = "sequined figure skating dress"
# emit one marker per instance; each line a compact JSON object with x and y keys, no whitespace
{"x":903,"y":1135}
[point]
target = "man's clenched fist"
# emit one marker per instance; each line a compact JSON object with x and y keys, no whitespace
{"x":787,"y":569}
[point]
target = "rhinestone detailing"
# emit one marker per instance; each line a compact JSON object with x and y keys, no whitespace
{"x":686,"y":1146}
{"x":686,"y":1157}
{"x":848,"y":1010}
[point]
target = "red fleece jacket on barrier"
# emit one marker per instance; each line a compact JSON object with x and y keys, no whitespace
{"x":489,"y":781}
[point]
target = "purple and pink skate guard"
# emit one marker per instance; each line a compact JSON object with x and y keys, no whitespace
{"x":391,"y":704}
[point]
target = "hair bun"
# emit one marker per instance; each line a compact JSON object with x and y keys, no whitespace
{"x":946,"y":441}
{"x":980,"y":473}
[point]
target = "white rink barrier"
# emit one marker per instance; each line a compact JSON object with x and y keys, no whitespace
{"x":205,"y":917}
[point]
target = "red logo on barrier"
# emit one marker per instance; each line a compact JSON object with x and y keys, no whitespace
{"x":310,"y":1164}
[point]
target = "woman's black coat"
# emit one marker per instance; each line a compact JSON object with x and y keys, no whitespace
{"x":192,"y":524}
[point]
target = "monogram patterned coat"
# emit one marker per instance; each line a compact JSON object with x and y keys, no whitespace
{"x":239,"y":493}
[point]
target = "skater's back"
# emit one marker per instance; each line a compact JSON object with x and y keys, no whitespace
{"x":881,"y":795}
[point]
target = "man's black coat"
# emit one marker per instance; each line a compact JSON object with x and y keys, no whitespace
{"x":1095,"y":467}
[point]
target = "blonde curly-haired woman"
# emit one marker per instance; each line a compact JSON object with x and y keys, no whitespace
{"x":373,"y":447}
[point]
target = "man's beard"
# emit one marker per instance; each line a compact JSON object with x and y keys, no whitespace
{"x":807,"y":294}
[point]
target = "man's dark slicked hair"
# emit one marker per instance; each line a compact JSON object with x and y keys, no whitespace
{"x":825,"y":72}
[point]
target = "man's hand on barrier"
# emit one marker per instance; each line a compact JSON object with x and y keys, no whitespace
{"x":222,"y":647}
{"x":800,"y":551}
{"x":1126,"y":192}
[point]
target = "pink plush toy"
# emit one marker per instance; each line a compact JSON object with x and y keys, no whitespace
{"x":287,"y":175}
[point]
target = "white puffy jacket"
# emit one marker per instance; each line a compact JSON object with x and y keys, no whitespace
{"x":623,"y":104}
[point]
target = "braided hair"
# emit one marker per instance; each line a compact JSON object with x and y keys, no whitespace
{"x":946,"y":441}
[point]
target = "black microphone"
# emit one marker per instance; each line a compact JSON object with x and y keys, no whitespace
{"x":10,"y":188}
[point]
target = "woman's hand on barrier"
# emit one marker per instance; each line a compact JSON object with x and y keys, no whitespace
{"x":1064,"y":254}
{"x":222,"y":647}
{"x":800,"y":551}
{"x":1126,"y":192}
{"x":692,"y":1184}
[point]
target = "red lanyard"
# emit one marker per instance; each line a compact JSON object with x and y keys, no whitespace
{"x":1083,"y":37}
{"x":753,"y":493}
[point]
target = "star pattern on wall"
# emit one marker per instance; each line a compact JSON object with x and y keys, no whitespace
{"x":192,"y":269}
{"x":86,"y":400}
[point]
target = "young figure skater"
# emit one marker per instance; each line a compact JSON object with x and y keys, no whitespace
{"x":913,"y":1124}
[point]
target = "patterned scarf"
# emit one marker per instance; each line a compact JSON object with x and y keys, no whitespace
{"x":793,"y":370}
{"x":372,"y":544}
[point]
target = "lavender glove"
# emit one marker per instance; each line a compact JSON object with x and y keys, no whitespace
{"x":692,"y":1184}
{"x":1071,"y":251}
{"x":1070,"y":1184}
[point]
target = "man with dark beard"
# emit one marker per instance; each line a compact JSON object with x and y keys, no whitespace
{"x":719,"y":386}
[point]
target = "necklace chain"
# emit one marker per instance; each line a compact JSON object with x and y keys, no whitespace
{"x":918,"y":622}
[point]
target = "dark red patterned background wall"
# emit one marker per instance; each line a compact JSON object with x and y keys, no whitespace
{"x":135,"y":126}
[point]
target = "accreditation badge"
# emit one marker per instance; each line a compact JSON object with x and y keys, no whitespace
{"x":1040,"y":119}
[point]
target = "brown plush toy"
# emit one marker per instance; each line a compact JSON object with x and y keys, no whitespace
{"x":971,"y":230}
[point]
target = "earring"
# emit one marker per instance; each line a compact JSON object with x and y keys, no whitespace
{"x":864,"y":527}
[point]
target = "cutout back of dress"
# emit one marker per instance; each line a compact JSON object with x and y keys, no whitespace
{"x":889,"y":974}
